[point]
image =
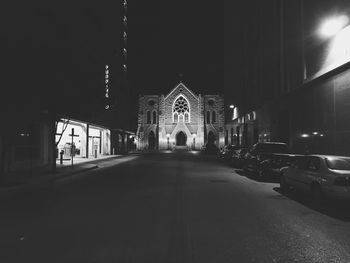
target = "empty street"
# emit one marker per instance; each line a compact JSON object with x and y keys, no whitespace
{"x":168,"y":207}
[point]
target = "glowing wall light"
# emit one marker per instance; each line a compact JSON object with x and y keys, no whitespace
{"x":340,"y":48}
{"x":234,"y":112}
{"x":333,"y":25}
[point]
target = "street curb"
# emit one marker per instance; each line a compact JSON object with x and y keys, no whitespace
{"x":63,"y":176}
{"x":43,"y":183}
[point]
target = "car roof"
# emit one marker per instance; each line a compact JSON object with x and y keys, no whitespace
{"x":328,"y":156}
{"x":272,"y":143}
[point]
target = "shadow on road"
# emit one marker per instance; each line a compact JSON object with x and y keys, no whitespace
{"x":334,"y":208}
{"x":265,"y":179}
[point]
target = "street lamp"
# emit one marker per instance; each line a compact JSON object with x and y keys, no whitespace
{"x":167,"y":137}
{"x":194,"y":141}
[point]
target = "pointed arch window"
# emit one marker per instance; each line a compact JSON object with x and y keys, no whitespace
{"x":208,"y":117}
{"x":186,"y":117}
{"x":181,"y":110}
{"x":154,"y":117}
{"x":213,"y":117}
{"x":148,"y":117}
{"x":176,"y":117}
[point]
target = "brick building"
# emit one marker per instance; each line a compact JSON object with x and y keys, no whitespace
{"x":180,"y":119}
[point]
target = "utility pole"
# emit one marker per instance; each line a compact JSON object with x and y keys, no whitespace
{"x":72,"y":146}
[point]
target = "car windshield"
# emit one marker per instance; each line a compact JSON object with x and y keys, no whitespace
{"x":273,"y":148}
{"x":338,"y":163}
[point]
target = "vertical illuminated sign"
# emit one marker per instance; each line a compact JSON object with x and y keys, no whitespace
{"x":106,"y":86}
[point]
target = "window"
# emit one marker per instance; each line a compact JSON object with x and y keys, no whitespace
{"x":338,"y":163}
{"x":154,"y":117}
{"x":213,"y":118}
{"x":208,"y":116}
{"x":148,"y":117}
{"x":176,"y":117}
{"x":186,"y":117}
{"x":313,"y":164}
{"x":181,"y":110}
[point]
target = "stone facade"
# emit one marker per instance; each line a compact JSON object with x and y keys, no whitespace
{"x":180,"y":119}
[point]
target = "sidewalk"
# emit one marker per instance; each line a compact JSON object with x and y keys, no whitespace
{"x":24,"y":180}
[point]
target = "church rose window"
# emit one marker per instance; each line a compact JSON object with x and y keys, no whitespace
{"x":181,"y":110}
{"x":211,"y":102}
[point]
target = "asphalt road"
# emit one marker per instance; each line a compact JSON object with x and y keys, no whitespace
{"x":169,"y":208}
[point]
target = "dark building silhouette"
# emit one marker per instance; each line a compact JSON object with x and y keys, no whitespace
{"x":293,"y":80}
{"x":55,"y":68}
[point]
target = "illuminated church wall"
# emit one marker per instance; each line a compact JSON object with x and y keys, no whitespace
{"x":180,"y":119}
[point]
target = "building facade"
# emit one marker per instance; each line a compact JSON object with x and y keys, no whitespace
{"x":307,"y":105}
{"x":180,"y":119}
{"x":89,"y":140}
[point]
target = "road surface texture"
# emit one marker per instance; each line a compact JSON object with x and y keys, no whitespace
{"x":169,"y":208}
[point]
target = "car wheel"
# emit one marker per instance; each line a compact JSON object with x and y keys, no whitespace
{"x":316,"y":195}
{"x":283,"y":184}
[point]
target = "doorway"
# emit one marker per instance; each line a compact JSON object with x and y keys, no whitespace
{"x":211,"y":138}
{"x":151,"y":141}
{"x":181,"y":139}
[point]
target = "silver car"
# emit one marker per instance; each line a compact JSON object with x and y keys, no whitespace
{"x":320,"y":175}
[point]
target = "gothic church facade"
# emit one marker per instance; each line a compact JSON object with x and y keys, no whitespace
{"x":181,"y":119}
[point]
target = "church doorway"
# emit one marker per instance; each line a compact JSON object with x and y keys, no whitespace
{"x":181,"y":139}
{"x":151,"y":141}
{"x":211,"y":138}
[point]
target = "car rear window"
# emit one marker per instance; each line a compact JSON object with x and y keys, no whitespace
{"x":338,"y":163}
{"x":273,"y":148}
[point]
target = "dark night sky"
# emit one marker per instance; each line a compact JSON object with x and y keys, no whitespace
{"x":172,"y":37}
{"x":58,"y":50}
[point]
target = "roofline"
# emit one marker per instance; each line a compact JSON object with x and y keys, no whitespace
{"x":181,"y":83}
{"x":126,"y":131}
{"x":327,"y":155}
{"x":83,"y":121}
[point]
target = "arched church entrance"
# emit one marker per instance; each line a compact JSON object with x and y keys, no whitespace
{"x":151,"y":141}
{"x":211,"y":138}
{"x":181,"y":139}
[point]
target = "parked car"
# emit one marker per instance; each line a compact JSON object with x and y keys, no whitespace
{"x":319,"y":175}
{"x":226,"y":152}
{"x":238,"y":157}
{"x":263,"y":157}
{"x":272,"y":167}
